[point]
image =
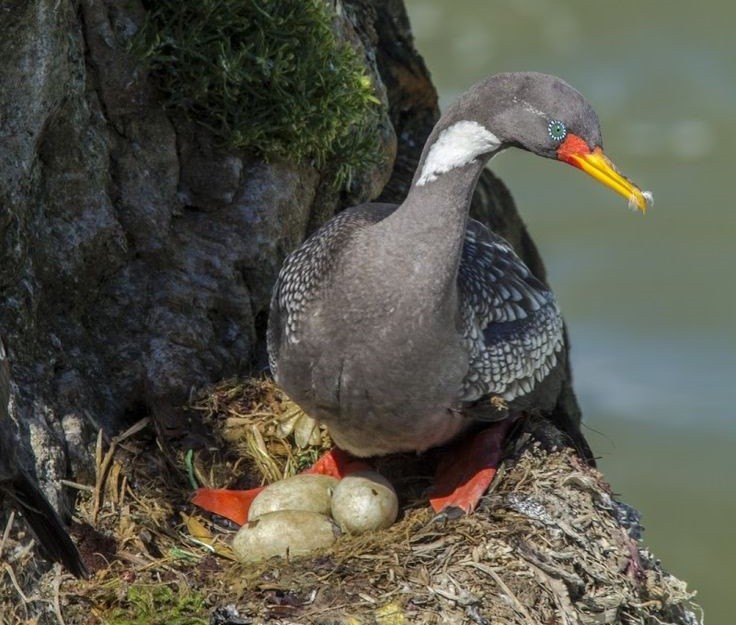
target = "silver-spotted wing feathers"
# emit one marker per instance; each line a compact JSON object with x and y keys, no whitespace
{"x":512,"y":326}
{"x":308,"y":267}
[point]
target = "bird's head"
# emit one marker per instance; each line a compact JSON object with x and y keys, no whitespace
{"x":546,"y":116}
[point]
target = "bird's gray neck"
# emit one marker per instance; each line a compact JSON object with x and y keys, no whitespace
{"x":426,"y":233}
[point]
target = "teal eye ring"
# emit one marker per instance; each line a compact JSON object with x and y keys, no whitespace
{"x":556,"y":130}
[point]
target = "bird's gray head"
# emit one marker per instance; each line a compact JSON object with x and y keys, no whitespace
{"x":533,"y":111}
{"x":536,"y":112}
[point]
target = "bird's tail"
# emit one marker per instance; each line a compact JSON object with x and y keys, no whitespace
{"x":23,"y":491}
{"x":46,"y":524}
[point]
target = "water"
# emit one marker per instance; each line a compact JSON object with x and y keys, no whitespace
{"x":650,"y":300}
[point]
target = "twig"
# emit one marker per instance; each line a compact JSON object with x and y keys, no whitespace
{"x":8,"y":527}
{"x":57,"y":599}
{"x":103,"y":463}
{"x":518,"y":606}
{"x":98,"y":477}
{"x":9,"y":570}
{"x":77,"y":485}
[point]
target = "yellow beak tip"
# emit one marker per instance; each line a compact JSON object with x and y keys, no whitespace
{"x":597,"y":165}
{"x":641,"y":200}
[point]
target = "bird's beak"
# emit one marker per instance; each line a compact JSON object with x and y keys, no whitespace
{"x":595,"y":163}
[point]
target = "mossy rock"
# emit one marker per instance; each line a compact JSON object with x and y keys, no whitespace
{"x":267,"y":76}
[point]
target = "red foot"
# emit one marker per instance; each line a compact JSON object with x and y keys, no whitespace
{"x":234,"y":504}
{"x":468,"y":469}
{"x":337,"y":463}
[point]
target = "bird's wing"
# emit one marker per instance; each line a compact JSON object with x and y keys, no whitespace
{"x":512,"y":326}
{"x":310,"y":265}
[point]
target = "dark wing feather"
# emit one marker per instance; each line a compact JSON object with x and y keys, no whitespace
{"x":512,"y":326}
{"x":24,"y":494}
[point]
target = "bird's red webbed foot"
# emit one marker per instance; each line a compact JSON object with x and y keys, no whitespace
{"x":337,"y":463}
{"x":235,"y":504}
{"x":467,"y":470}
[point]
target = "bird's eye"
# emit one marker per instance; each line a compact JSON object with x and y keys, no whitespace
{"x":557,"y":130}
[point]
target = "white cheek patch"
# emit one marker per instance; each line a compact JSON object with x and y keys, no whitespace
{"x":457,"y":146}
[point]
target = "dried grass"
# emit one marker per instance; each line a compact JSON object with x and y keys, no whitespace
{"x":545,"y":547}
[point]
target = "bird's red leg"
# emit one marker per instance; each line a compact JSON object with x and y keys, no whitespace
{"x":466,"y":472}
{"x":234,"y":504}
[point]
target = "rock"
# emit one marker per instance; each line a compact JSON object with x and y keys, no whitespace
{"x":138,"y":253}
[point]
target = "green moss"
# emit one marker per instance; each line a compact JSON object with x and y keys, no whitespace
{"x":268,"y":76}
{"x":159,"y":605}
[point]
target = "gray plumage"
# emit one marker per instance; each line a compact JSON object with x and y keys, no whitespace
{"x":399,"y":326}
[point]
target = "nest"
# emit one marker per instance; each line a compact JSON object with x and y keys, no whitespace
{"x":549,"y":544}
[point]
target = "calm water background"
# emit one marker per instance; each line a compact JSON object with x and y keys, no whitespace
{"x":650,"y":301}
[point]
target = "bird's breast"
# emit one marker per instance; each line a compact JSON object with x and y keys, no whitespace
{"x":378,"y":388}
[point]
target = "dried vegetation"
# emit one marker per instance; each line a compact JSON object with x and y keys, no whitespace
{"x":549,"y":544}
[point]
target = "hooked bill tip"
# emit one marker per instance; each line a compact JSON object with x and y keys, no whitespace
{"x":642,"y":201}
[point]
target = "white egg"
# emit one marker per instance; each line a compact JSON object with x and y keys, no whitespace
{"x":306,"y":491}
{"x":364,"y":501}
{"x":306,"y":432}
{"x":282,"y":533}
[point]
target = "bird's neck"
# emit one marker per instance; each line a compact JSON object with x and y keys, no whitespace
{"x":427,"y":231}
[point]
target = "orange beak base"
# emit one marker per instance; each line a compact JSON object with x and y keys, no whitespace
{"x":574,"y":151}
